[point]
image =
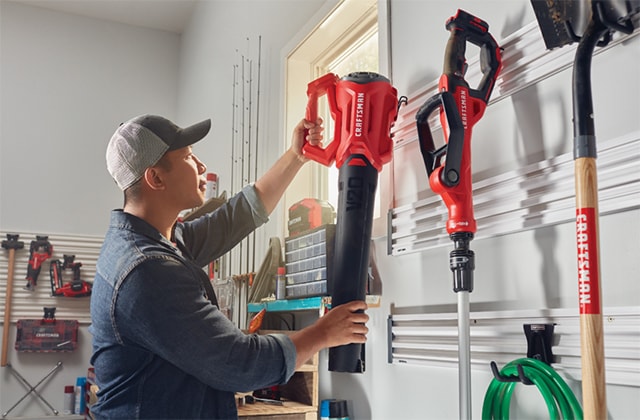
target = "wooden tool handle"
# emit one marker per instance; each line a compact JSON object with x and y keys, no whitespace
{"x":591,"y":330}
{"x":7,"y":308}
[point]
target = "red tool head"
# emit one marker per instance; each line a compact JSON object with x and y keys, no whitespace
{"x":364,"y":106}
{"x":460,"y":108}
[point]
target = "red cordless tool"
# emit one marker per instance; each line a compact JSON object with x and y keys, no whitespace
{"x":364,"y":106}
{"x":460,"y":109}
{"x":74,"y":288}
{"x":40,"y":250}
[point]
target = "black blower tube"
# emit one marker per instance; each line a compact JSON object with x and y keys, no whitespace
{"x":357,"y":182}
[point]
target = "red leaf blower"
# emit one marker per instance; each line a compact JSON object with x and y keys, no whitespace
{"x":460,"y":109}
{"x":364,"y":106}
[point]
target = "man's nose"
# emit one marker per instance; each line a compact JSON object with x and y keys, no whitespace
{"x":202,"y":168}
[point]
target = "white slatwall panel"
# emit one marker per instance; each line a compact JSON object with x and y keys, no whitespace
{"x":534,"y":196}
{"x":537,"y":195}
{"x":28,"y":305}
{"x":431,"y":339}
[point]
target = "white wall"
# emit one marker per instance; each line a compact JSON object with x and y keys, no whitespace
{"x":66,"y":83}
{"x":220,"y":33}
{"x":62,"y":70}
{"x":534,"y":269}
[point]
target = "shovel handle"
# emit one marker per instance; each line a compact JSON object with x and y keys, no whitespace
{"x":591,"y":328}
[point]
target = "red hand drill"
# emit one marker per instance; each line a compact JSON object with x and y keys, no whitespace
{"x":76,"y":287}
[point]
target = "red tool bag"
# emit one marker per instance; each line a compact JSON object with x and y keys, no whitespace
{"x":47,"y":334}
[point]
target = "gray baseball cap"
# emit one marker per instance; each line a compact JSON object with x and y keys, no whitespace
{"x":140,"y":143}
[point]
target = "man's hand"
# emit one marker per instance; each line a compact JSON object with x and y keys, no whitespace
{"x":344,"y":324}
{"x":304,"y":132}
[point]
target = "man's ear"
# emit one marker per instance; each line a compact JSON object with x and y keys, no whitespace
{"x":153,"y":177}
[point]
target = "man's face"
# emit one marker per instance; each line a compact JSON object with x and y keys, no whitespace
{"x":183,"y":176}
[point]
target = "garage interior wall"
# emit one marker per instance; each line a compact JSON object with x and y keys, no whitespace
{"x":67,"y":81}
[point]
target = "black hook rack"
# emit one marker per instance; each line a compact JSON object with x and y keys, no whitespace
{"x":403,"y":100}
{"x":503,"y":378}
{"x":539,"y":343}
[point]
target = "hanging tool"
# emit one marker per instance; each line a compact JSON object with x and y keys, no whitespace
{"x":605,"y":18}
{"x":40,"y":250}
{"x":364,"y":106}
{"x":76,"y":287}
{"x":460,"y":109}
{"x":12,"y":244}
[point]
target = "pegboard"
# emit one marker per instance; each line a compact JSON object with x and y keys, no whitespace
{"x":28,"y":305}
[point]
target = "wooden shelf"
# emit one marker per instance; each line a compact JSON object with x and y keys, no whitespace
{"x":299,"y":394}
{"x":289,"y":410}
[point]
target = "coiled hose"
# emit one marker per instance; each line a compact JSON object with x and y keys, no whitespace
{"x":560,"y":400}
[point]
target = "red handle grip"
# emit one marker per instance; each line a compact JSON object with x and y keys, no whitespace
{"x":325,"y":85}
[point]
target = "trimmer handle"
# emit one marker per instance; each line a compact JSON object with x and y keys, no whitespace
{"x":466,"y":27}
{"x":454,"y":148}
{"x":325,"y":85}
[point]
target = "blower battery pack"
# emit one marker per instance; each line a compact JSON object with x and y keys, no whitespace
{"x":309,"y":213}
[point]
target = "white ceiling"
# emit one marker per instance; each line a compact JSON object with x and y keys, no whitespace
{"x":167,"y":15}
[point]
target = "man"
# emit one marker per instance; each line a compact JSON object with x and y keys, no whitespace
{"x":161,"y":347}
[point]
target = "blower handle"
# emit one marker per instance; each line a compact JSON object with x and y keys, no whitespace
{"x":466,"y":27}
{"x":325,"y":85}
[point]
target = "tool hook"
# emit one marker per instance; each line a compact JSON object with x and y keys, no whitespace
{"x":502,"y":378}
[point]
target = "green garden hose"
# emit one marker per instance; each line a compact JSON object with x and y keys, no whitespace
{"x":560,"y":400}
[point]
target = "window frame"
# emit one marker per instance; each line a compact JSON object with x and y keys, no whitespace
{"x":330,"y":35}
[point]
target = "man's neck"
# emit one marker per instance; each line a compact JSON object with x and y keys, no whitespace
{"x":160,"y":218}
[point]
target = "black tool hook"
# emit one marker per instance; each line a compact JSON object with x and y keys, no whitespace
{"x":502,"y":378}
{"x":403,"y":100}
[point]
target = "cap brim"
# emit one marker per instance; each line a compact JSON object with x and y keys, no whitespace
{"x":192,"y":134}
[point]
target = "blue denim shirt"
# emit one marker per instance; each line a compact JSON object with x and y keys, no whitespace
{"x":161,"y":348}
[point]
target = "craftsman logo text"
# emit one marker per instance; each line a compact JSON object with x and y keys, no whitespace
{"x":588,"y":281}
{"x":463,"y":107}
{"x":359,"y":120}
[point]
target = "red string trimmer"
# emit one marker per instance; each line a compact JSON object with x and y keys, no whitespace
{"x":460,"y":109}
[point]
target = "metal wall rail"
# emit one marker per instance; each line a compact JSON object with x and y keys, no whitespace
{"x":430,"y":339}
{"x":537,"y":195}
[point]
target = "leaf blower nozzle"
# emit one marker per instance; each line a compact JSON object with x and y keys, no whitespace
{"x":364,"y":106}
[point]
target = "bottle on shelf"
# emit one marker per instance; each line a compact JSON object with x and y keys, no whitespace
{"x":281,"y":284}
